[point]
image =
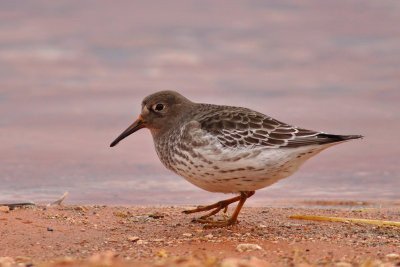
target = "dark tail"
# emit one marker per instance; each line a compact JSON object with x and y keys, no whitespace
{"x":333,"y":138}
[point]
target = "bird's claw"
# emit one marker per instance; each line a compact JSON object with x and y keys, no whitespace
{"x":193,"y":210}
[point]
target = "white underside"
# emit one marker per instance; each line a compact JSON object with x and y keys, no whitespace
{"x":234,"y":170}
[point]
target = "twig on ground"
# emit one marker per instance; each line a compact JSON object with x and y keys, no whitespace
{"x":338,"y":219}
{"x":12,"y":206}
{"x":61,"y":199}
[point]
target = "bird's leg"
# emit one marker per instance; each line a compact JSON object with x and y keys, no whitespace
{"x":243,"y":197}
{"x":223,"y":204}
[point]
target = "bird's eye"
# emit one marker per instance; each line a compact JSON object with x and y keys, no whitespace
{"x":159,"y":107}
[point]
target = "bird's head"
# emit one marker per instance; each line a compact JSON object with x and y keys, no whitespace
{"x":160,"y":112}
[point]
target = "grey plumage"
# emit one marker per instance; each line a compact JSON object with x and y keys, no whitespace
{"x":226,"y":149}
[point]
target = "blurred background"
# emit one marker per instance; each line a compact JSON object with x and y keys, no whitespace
{"x":73,"y":74}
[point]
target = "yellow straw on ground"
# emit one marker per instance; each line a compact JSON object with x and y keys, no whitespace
{"x":338,"y":219}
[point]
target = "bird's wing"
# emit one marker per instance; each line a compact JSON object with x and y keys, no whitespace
{"x":241,"y":127}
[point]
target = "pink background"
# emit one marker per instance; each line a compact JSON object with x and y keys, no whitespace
{"x":73,"y":74}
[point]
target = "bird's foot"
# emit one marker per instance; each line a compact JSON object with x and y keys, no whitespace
{"x":215,"y":208}
{"x":225,"y":213}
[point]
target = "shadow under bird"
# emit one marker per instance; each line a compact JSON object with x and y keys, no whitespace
{"x":224,"y":148}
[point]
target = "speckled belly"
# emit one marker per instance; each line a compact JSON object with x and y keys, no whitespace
{"x":218,"y":169}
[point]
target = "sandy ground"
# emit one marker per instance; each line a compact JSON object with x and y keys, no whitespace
{"x":163,"y":236}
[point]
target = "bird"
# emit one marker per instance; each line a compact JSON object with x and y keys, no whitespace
{"x":225,"y":149}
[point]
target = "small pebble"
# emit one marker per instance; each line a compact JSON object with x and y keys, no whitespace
{"x":343,"y":264}
{"x":133,"y":238}
{"x":392,"y":256}
{"x":5,"y":209}
{"x":247,"y":247}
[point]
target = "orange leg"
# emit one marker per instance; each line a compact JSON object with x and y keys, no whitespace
{"x":216,"y":207}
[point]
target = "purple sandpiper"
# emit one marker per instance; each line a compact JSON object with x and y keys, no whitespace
{"x":224,"y":148}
